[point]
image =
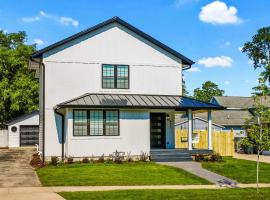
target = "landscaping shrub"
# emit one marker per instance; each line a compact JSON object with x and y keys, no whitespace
{"x":36,"y":161}
{"x":214,"y":157}
{"x":54,"y":160}
{"x":101,"y":159}
{"x":144,"y":157}
{"x":199,"y":157}
{"x":129,"y":157}
{"x":92,"y":159}
{"x":85,"y":160}
{"x":118,"y":157}
{"x":70,"y":160}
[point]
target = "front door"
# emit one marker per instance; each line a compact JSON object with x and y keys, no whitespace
{"x":157,"y":130}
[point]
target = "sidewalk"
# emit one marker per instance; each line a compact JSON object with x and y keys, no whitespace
{"x":49,"y":193}
{"x":252,"y":157}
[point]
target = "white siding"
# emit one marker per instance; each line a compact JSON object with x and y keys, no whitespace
{"x":14,"y":137}
{"x":3,"y":138}
{"x":75,"y":69}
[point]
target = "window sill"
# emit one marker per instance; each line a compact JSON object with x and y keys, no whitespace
{"x":94,"y":137}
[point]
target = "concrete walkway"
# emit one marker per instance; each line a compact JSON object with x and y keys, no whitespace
{"x":252,"y":157}
{"x":15,"y":170}
{"x":196,"y":169}
{"x":49,"y":193}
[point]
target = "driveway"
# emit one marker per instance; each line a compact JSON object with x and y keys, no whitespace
{"x":15,"y":170}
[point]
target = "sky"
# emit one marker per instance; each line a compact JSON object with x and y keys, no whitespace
{"x":209,"y":32}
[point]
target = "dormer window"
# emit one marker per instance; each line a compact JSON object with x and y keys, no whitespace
{"x":115,"y":76}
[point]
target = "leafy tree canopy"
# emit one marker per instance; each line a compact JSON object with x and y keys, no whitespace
{"x":18,"y":86}
{"x":208,"y":90}
{"x":258,"y":51}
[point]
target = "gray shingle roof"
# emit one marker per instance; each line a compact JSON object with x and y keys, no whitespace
{"x":137,"y":101}
{"x":223,"y":117}
{"x":239,"y":102}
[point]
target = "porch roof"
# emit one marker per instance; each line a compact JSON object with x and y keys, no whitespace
{"x":100,"y":100}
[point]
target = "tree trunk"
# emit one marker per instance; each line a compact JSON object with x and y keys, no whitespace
{"x":258,"y":163}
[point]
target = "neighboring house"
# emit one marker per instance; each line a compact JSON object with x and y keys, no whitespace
{"x":198,"y":124}
{"x":24,"y":130}
{"x":111,"y":87}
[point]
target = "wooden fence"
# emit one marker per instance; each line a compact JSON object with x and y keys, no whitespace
{"x":3,"y":138}
{"x":223,"y":142}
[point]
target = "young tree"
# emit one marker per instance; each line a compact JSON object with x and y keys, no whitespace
{"x":258,"y":51}
{"x":184,"y":88}
{"x":208,"y":90}
{"x":258,"y":131}
{"x":18,"y":86}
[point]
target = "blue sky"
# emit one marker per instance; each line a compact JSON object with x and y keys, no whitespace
{"x":209,"y":32}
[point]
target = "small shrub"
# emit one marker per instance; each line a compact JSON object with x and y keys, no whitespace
{"x":129,"y":157}
{"x":85,"y":160}
{"x":101,"y":159}
{"x":118,"y":157}
{"x":144,"y":157}
{"x":54,"y":160}
{"x":215,"y":157}
{"x":199,"y":157}
{"x":70,"y":160}
{"x":92,"y":159}
{"x":36,"y":161}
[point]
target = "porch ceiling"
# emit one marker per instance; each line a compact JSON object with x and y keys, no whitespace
{"x":94,"y":100}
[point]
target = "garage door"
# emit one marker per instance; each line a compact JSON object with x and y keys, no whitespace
{"x":29,"y":135}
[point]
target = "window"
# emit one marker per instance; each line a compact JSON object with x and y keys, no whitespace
{"x":111,"y":123}
{"x":115,"y":76}
{"x":95,"y":123}
{"x":80,"y":122}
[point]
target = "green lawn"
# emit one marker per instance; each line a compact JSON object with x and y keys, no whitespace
{"x":134,"y":173}
{"x":222,"y":194}
{"x":243,"y":171}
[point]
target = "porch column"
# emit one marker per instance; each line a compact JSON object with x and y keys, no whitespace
{"x":190,"y":129}
{"x":209,"y":130}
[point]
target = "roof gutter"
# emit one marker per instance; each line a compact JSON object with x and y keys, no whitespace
{"x":43,"y":105}
{"x":186,"y":67}
{"x":62,"y":133}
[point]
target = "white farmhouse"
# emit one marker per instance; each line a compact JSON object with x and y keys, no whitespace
{"x":111,"y":87}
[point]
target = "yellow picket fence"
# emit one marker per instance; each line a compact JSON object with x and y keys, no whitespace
{"x":223,"y":142}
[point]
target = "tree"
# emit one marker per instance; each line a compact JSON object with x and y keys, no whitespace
{"x":18,"y":86}
{"x":208,"y":90}
{"x":184,"y":88}
{"x":258,"y":51}
{"x":258,"y":131}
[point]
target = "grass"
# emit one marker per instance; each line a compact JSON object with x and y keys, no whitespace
{"x":243,"y":171}
{"x":134,"y":173}
{"x":222,"y":194}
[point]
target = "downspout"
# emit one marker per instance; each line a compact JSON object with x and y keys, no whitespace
{"x":62,"y":134}
{"x":43,"y":99}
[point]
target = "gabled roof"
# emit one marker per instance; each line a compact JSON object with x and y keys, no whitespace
{"x":22,"y":117}
{"x":182,"y":120}
{"x":239,"y":102}
{"x":93,"y":100}
{"x":185,"y":60}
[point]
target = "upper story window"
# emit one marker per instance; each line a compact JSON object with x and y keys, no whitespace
{"x":115,"y":76}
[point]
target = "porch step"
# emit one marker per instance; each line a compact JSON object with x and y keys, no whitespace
{"x":170,"y":155}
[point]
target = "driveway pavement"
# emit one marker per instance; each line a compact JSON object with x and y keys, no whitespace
{"x":15,"y":170}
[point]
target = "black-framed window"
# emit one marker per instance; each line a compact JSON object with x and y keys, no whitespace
{"x":95,"y":122}
{"x":115,"y":76}
{"x":80,"y":122}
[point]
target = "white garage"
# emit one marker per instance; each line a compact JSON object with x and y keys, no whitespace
{"x":24,"y":130}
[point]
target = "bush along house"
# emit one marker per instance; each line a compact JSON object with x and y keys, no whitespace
{"x":112,"y":87}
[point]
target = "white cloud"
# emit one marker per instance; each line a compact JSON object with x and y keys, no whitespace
{"x":227,"y":43}
{"x":240,"y":49}
{"x":68,"y":21}
{"x":219,"y":61}
{"x":250,"y":62}
{"x":38,"y":41}
{"x":227,"y":82}
{"x":194,"y":69}
{"x":64,"y":20}
{"x":31,"y":19}
{"x":218,"y":12}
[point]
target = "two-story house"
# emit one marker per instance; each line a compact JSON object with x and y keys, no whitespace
{"x":111,"y":87}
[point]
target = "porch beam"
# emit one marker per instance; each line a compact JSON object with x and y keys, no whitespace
{"x":190,"y":129}
{"x":210,"y":147}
